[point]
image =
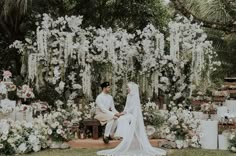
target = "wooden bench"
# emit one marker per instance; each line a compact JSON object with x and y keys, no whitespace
{"x":94,"y":123}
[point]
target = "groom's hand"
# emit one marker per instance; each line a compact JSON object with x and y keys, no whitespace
{"x":117,"y":115}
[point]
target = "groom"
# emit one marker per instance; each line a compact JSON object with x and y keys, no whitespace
{"x":106,"y":112}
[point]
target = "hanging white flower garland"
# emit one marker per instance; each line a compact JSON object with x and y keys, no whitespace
{"x":63,"y":39}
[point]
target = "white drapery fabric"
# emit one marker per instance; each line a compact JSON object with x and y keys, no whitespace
{"x":135,"y":142}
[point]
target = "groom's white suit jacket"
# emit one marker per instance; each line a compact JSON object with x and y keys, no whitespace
{"x":105,"y":109}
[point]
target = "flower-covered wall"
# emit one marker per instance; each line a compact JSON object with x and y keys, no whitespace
{"x":69,"y":59}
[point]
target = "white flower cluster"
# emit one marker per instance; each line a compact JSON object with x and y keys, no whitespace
{"x":189,"y":40}
{"x":25,"y":92}
{"x":221,"y":93}
{"x":89,"y":110}
{"x":22,"y":137}
{"x":6,"y":110}
{"x":208,"y":107}
{"x":180,"y":128}
{"x":60,"y":88}
{"x":232,"y":142}
{"x":59,"y":121}
{"x":150,"y":106}
{"x":174,"y":80}
{"x":152,"y":48}
{"x":25,"y":137}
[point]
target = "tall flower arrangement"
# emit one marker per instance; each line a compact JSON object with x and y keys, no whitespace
{"x":61,"y":120}
{"x":175,"y":80}
{"x":189,"y":40}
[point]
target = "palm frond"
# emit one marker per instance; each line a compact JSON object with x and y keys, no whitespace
{"x":214,"y":10}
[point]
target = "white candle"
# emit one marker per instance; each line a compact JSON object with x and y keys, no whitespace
{"x":80,"y":106}
{"x":164,"y":106}
{"x":81,"y":135}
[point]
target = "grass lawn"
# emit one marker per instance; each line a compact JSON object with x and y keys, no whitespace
{"x":92,"y":152}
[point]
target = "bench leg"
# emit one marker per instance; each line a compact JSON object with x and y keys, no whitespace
{"x":85,"y":129}
{"x":95,"y":132}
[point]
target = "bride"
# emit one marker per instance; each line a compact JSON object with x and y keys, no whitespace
{"x":135,"y":141}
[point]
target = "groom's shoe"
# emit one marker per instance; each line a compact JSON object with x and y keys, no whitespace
{"x":106,"y":140}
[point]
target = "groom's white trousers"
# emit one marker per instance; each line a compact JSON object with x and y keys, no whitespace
{"x":110,"y":128}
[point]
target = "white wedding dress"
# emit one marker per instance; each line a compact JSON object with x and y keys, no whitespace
{"x":135,"y":141}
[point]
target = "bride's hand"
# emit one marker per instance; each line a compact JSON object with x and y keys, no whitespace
{"x":117,"y":114}
{"x":122,"y":113}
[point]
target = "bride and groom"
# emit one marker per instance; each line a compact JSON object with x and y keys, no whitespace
{"x":128,"y":124}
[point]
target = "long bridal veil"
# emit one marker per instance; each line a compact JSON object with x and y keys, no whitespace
{"x":135,"y":142}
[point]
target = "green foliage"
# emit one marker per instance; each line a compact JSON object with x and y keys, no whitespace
{"x":7,"y":148}
{"x":180,"y":131}
{"x":14,"y":23}
{"x":130,"y":15}
{"x":154,"y":118}
{"x":48,"y":94}
{"x":218,"y":17}
{"x":232,"y":143}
